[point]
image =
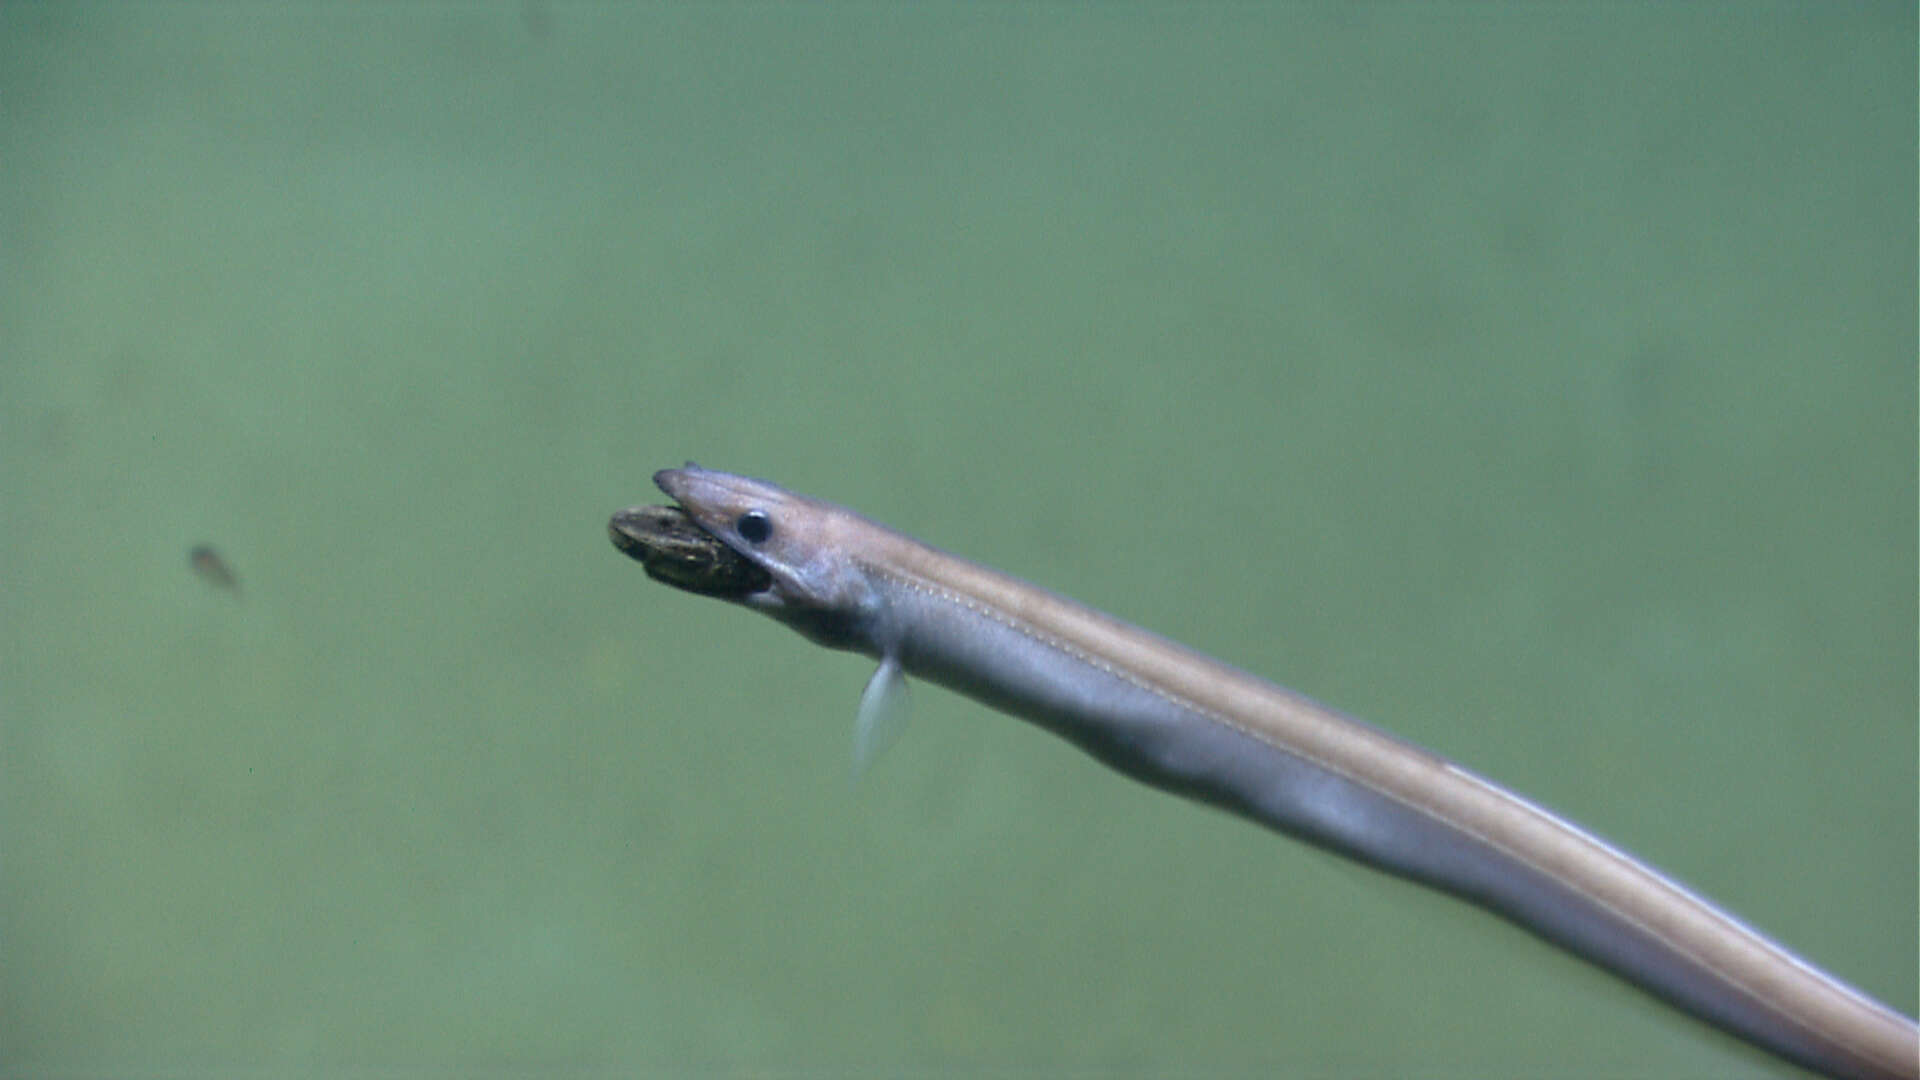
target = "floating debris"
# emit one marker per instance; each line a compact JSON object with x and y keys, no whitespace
{"x":213,"y":569}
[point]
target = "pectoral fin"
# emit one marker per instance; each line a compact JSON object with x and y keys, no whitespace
{"x":882,"y":716}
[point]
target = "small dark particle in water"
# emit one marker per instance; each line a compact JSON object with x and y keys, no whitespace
{"x":213,"y":569}
{"x":672,"y":549}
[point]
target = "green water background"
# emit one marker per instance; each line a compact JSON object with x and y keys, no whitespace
{"x":1535,"y":381}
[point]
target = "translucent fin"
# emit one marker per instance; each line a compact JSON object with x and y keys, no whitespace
{"x":882,"y":716}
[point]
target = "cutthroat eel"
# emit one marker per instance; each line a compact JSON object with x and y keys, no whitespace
{"x":1185,"y":723}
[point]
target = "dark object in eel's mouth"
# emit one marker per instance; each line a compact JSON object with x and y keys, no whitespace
{"x":674,"y":550}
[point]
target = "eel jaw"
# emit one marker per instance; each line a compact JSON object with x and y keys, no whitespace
{"x":673,"y":549}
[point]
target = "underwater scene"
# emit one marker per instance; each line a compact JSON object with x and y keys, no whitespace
{"x":1534,"y":382}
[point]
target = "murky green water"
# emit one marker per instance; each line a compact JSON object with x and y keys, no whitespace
{"x":1537,"y":383}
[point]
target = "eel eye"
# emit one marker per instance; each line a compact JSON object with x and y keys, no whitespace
{"x":754,"y":526}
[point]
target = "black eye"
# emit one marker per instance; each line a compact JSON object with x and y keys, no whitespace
{"x":754,"y":526}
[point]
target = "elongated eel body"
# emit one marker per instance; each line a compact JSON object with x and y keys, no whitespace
{"x":1188,"y":724}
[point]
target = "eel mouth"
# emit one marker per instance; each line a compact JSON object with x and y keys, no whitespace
{"x":674,"y":550}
